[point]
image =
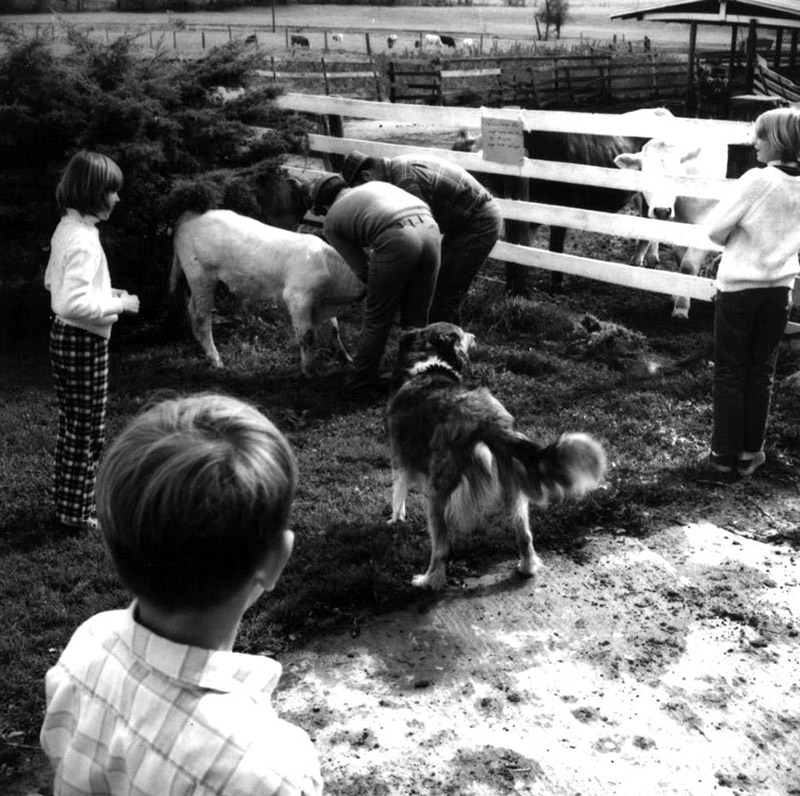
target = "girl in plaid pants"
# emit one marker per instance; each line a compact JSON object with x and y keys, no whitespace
{"x":85,"y":306}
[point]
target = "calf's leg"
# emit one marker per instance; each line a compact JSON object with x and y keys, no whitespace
{"x":201,"y":306}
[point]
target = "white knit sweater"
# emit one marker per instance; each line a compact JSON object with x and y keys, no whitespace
{"x":759,"y":226}
{"x":77,"y":276}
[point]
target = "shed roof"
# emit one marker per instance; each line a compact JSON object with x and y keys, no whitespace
{"x":767,"y":13}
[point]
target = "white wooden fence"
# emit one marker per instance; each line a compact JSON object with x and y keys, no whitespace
{"x":451,"y":119}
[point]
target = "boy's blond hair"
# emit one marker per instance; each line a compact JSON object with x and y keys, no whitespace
{"x":191,"y":496}
{"x":781,"y":127}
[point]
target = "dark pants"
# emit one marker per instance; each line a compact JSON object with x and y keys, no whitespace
{"x":748,"y":326}
{"x":464,"y":251}
{"x":402,"y":273}
{"x":79,"y":360}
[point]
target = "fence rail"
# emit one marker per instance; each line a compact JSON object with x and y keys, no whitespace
{"x":628,"y":226}
{"x":541,"y":81}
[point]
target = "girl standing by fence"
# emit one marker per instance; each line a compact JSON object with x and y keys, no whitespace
{"x":758,"y":224}
{"x":84,"y":306}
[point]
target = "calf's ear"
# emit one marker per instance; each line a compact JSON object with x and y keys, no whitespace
{"x":628,"y":161}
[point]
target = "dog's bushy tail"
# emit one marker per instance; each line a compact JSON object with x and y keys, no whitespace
{"x":505,"y":463}
{"x":568,"y":468}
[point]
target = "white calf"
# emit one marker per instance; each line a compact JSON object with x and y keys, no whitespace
{"x":259,"y":262}
{"x":660,"y":159}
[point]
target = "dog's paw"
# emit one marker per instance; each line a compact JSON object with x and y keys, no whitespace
{"x":528,"y":567}
{"x":435,"y":581}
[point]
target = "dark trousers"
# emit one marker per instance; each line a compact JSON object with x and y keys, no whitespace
{"x":402,"y":273}
{"x":79,"y":360}
{"x":464,"y":251}
{"x":748,"y":326}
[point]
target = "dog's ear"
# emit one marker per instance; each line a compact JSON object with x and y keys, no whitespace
{"x":450,"y":347}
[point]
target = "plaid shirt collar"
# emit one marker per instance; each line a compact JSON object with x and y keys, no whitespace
{"x":213,"y":670}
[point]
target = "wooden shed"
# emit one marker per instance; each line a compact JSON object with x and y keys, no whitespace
{"x":778,"y":17}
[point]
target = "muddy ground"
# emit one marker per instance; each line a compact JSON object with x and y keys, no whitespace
{"x":666,"y":666}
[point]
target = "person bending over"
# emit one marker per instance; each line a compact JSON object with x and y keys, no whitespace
{"x":468,"y":216}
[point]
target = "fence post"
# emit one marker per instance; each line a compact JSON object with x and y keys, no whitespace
{"x":325,"y":78}
{"x":377,"y":79}
{"x":392,"y":85}
{"x":516,"y":232}
{"x":652,"y":59}
{"x":325,"y":42}
{"x":691,"y":95}
{"x":174,"y":40}
{"x":369,"y":46}
{"x":335,"y":126}
{"x":533,"y":85}
{"x":437,"y":85}
{"x":272,"y":64}
{"x":203,"y":39}
{"x":230,"y":34}
{"x":286,"y":31}
{"x":776,"y":63}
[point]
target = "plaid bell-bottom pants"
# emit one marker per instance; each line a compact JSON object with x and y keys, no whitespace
{"x":79,"y":360}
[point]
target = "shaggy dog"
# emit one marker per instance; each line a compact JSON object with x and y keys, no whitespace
{"x":461,"y":445}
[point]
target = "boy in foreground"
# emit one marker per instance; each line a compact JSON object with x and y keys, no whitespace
{"x":193,"y":500}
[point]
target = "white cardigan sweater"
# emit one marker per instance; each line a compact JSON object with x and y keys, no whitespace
{"x":77,"y":276}
{"x":759,"y":226}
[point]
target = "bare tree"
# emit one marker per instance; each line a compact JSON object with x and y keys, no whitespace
{"x":551,"y":13}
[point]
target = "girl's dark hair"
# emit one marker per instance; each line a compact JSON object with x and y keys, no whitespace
{"x":86,"y":182}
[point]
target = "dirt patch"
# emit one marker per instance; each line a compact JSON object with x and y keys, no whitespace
{"x":660,"y":665}
{"x":665,"y":666}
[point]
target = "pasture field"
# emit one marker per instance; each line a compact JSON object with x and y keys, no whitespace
{"x":512,"y":25}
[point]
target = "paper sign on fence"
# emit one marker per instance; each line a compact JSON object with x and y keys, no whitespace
{"x":502,"y":140}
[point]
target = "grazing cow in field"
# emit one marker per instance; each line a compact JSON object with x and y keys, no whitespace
{"x":447,"y":41}
{"x":390,"y":40}
{"x":661,"y":158}
{"x":251,"y":39}
{"x":299,"y":41}
{"x":579,"y":148}
{"x":259,"y":262}
{"x":468,"y":45}
{"x":338,"y":37}
{"x":430,"y":40}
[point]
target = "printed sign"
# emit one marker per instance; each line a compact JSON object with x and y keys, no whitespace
{"x":502,"y":140}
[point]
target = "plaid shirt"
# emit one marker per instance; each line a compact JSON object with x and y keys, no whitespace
{"x":452,"y":193}
{"x":129,"y":712}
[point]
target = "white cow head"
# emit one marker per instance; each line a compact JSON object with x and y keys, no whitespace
{"x":658,"y":161}
{"x":661,"y":160}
